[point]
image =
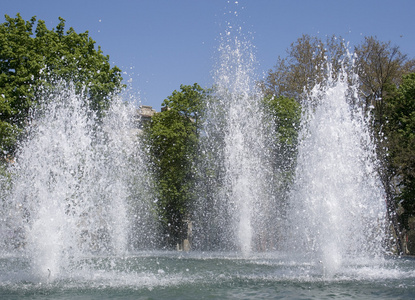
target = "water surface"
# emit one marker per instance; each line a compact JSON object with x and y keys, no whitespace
{"x":197,"y":275}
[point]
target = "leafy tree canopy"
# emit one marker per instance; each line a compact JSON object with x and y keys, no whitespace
{"x":381,"y":68}
{"x":379,"y":64}
{"x":304,"y":66}
{"x":31,"y":61}
{"x":188,"y":101}
{"x":286,"y":113}
{"x":173,"y":138}
{"x":400,"y":133}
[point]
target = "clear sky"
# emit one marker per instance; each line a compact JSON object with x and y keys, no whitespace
{"x":161,"y":44}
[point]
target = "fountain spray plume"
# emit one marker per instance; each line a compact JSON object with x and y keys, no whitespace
{"x":234,"y":144}
{"x":337,"y":201}
{"x":72,"y":186}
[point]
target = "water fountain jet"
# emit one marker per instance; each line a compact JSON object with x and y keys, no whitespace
{"x":231,"y":210}
{"x":72,"y":184}
{"x":70,"y":222}
{"x":337,"y":203}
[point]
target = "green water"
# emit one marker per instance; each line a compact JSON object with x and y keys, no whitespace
{"x":176,"y":275}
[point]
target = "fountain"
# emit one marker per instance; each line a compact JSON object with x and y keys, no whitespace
{"x":72,"y":185}
{"x":230,"y":215}
{"x":76,"y":219}
{"x":337,"y":202}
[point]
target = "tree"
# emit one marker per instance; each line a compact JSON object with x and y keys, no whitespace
{"x":173,"y":138}
{"x":285,"y":116}
{"x":188,"y":102}
{"x":286,"y":113}
{"x":380,"y":67}
{"x":33,"y":61}
{"x":400,"y":132}
{"x":304,"y":66}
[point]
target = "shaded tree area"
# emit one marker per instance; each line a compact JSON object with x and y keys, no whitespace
{"x":284,"y":118}
{"x":401,"y":130}
{"x":399,"y":141}
{"x":381,"y":68}
{"x":33,"y":59}
{"x":172,"y":136}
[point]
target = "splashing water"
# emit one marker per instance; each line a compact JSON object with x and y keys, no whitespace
{"x":77,"y":203}
{"x":337,"y":203}
{"x":72,"y":184}
{"x":233,"y":146}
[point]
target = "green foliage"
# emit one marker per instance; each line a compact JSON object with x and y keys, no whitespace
{"x":380,"y":67}
{"x":400,"y":133}
{"x":32,"y":61}
{"x":285,"y":116}
{"x":188,"y":102}
{"x":286,"y":113}
{"x":173,"y":138}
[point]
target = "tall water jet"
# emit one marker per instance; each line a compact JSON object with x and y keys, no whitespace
{"x":233,"y":167}
{"x":73,"y":185}
{"x":337,"y":205}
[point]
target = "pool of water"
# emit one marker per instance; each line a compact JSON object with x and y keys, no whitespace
{"x":197,"y":275}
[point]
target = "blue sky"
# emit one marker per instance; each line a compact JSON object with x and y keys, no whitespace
{"x":161,"y":44}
